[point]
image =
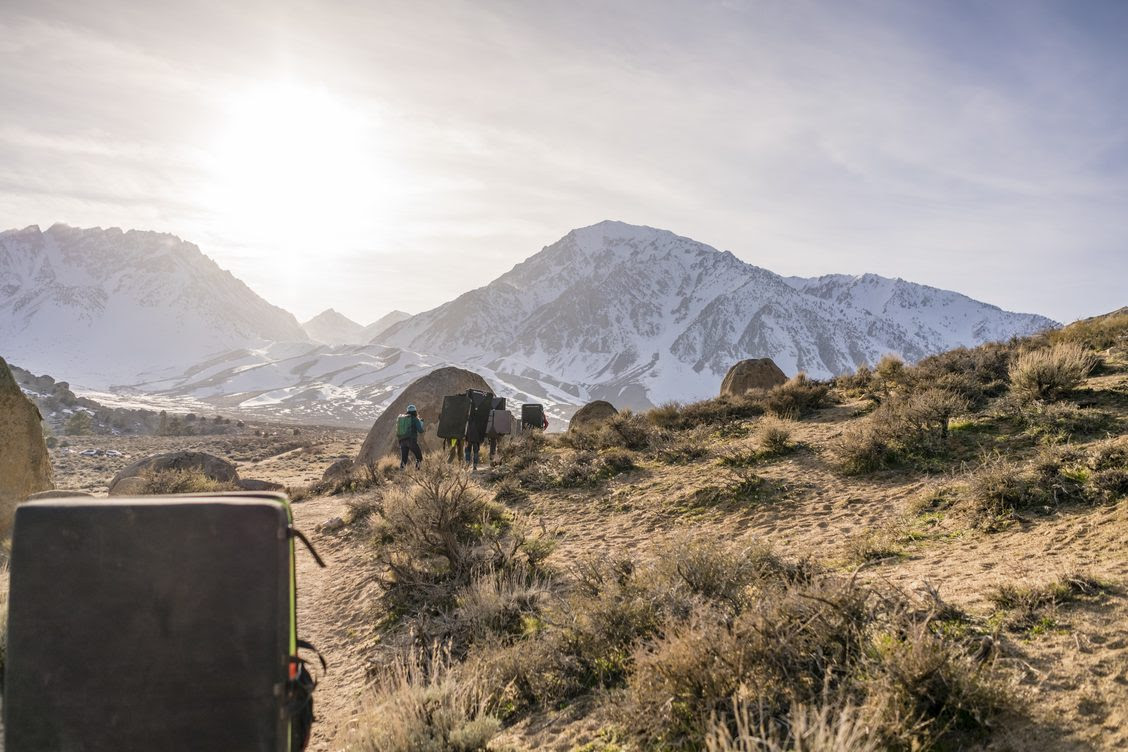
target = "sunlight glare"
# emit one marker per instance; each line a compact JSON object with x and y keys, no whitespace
{"x":298,"y":165}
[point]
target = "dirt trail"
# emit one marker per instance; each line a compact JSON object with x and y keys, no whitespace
{"x":335,"y":614}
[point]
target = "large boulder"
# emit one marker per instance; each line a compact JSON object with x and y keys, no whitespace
{"x":25,"y":465}
{"x":213,"y":467}
{"x":426,"y":394}
{"x":754,"y":373}
{"x":592,"y":414}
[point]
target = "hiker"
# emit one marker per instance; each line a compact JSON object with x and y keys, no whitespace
{"x":473,"y":443}
{"x":408,"y":429}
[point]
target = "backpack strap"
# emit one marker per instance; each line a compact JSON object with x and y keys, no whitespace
{"x":293,"y":532}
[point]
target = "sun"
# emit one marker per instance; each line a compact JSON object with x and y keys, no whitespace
{"x":296,"y":161}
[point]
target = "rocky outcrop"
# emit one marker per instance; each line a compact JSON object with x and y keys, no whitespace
{"x":426,"y":394}
{"x":754,"y":373}
{"x":592,"y":414}
{"x":213,"y":467}
{"x":25,"y":465}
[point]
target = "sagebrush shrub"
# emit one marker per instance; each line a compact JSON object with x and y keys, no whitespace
{"x":797,"y":398}
{"x":773,"y":436}
{"x":1047,"y":373}
{"x":418,"y":702}
{"x":435,"y":532}
{"x":907,"y":425}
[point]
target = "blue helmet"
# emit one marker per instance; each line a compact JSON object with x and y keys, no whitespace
{"x":411,"y":408}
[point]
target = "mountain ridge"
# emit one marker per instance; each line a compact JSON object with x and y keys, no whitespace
{"x":625,"y":311}
{"x":104,"y":305}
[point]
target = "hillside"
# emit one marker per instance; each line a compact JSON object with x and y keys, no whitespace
{"x":947,"y":541}
{"x":641,"y":316}
{"x":102,"y":307}
{"x":669,"y":562}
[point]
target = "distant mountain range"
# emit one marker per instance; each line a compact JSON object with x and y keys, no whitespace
{"x":632,"y":314}
{"x":332,"y":328}
{"x":640,"y":316}
{"x":100,"y":307}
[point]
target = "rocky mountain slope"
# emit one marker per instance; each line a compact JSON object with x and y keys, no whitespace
{"x":100,"y":307}
{"x":640,"y":316}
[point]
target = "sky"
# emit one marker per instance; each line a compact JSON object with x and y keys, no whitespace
{"x":369,"y":156}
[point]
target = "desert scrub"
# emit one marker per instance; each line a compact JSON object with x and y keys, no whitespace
{"x":1057,"y":422}
{"x":1023,"y":608}
{"x":588,"y":468}
{"x":1000,"y":489}
{"x":1048,"y":373}
{"x":797,"y":398}
{"x":1105,"y":471}
{"x":875,"y":546}
{"x":712,"y":412}
{"x":181,"y":482}
{"x":912,"y":428}
{"x":418,"y":702}
{"x":742,"y":487}
{"x":833,"y":727}
{"x":773,"y":436}
{"x":436,"y":532}
{"x":684,"y":447}
{"x":707,"y":638}
{"x":1100,"y":333}
{"x":824,"y":644}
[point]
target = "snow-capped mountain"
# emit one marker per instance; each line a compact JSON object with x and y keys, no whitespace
{"x":635,"y":315}
{"x":380,"y":325}
{"x":101,"y":307}
{"x":332,"y":328}
{"x":640,"y":316}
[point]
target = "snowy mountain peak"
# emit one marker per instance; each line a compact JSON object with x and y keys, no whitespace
{"x":640,"y":315}
{"x":103,"y":306}
{"x":332,"y":328}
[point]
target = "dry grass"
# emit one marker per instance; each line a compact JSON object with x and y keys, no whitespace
{"x":418,"y":704}
{"x":183,"y":482}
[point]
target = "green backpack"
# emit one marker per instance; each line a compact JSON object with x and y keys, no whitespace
{"x":405,"y":426}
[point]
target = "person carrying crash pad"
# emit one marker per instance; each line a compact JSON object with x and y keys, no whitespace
{"x":408,"y":429}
